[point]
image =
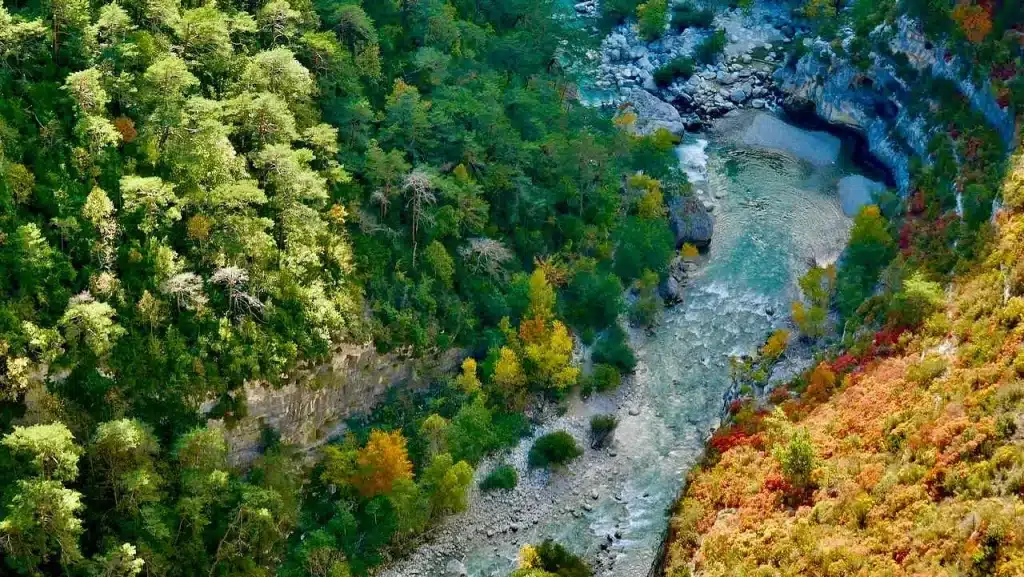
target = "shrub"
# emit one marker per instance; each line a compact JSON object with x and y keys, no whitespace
{"x":653,"y":18}
{"x":710,"y":47}
{"x":592,"y":300}
{"x":556,"y":448}
{"x":926,"y":371}
{"x":556,"y":560}
{"x":601,"y":429}
{"x":501,"y":477}
{"x":606,"y":377}
{"x":675,"y":68}
{"x":797,"y":459}
{"x":689,"y":16}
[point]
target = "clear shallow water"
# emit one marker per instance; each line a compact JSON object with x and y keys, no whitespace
{"x":773,"y":213}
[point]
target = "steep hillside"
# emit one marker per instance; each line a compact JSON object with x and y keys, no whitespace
{"x":904,"y":458}
{"x":902,"y":451}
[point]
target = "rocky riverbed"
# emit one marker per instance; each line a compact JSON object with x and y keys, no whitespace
{"x":758,"y":39}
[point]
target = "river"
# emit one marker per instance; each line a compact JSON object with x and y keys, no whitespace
{"x":775,"y":210}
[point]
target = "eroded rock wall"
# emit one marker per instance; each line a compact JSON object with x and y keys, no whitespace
{"x":311,"y":408}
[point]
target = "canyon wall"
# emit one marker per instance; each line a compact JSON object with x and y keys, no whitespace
{"x":312,"y":406}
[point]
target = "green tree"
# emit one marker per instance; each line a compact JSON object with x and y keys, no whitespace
{"x":41,"y":520}
{"x":869,"y":250}
{"x":447,"y":483}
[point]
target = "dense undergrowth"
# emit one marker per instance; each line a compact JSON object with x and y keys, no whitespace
{"x":901,"y":451}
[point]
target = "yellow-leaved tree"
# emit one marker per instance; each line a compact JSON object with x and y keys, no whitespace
{"x":550,"y":360}
{"x":509,"y":379}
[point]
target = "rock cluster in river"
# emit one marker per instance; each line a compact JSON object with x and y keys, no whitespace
{"x":741,"y":77}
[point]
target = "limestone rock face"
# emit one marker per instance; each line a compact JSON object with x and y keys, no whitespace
{"x":691,"y":222}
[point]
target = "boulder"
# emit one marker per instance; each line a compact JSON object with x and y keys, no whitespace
{"x":856,"y":191}
{"x":691,"y":222}
{"x":671,"y":290}
{"x":653,"y":113}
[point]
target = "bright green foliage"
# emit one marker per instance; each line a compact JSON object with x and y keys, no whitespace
{"x":40,"y":521}
{"x":652,"y":18}
{"x":818,"y":287}
{"x":47,"y":451}
{"x":471,"y":434}
{"x":916,"y":300}
{"x":446,"y":482}
{"x":200,"y":195}
{"x":120,"y":562}
{"x":550,"y":559}
{"x":794,"y":452}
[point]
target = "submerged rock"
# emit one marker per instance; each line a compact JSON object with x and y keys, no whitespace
{"x":456,"y":568}
{"x":691,"y":222}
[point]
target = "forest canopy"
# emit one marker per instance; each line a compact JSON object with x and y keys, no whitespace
{"x":196,"y":195}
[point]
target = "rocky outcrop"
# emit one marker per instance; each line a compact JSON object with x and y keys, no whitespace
{"x":311,"y":408}
{"x":691,"y":222}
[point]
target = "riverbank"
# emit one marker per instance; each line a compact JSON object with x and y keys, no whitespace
{"x":774,"y":212}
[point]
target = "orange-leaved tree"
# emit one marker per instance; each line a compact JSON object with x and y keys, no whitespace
{"x":974,"y":20}
{"x":384,"y":460}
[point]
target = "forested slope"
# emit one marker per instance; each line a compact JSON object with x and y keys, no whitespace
{"x":196,"y":195}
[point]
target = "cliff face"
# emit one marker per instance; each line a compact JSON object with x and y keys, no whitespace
{"x":311,"y":407}
{"x":881,"y":100}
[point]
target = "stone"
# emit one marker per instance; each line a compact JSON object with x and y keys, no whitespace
{"x":738,"y":96}
{"x":757,"y":103}
{"x":653,"y":113}
{"x":595,"y":495}
{"x":746,"y":58}
{"x":856,"y":191}
{"x":633,"y":411}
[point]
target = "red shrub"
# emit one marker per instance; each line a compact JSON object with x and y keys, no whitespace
{"x":775,"y":483}
{"x":844,"y":363}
